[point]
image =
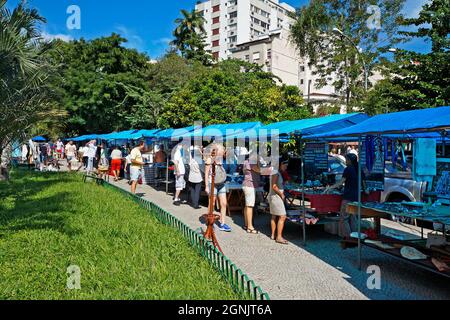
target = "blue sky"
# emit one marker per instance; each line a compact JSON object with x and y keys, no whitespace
{"x":147,"y":24}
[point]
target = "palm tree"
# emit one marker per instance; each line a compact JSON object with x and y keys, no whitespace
{"x":189,"y":26}
{"x":24,"y":98}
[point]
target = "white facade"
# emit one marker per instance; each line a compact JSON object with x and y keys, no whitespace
{"x":276,"y":54}
{"x":258,"y":31}
{"x":233,"y":22}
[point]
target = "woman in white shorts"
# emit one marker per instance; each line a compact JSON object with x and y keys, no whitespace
{"x":249,"y":186}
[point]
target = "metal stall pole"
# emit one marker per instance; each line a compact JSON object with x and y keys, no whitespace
{"x":444,"y":135}
{"x":359,"y":204}
{"x":167,"y":174}
{"x":303,"y":192}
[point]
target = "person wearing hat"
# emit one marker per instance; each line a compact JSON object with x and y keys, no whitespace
{"x":347,"y":224}
{"x":277,"y":203}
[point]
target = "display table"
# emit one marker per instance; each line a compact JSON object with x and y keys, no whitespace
{"x":328,"y":203}
{"x":235,"y":197}
{"x":366,"y":213}
{"x":392,"y":246}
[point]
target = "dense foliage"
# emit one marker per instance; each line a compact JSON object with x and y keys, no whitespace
{"x":108,"y":87}
{"x":104,"y":86}
{"x":369,"y":26}
{"x":233,"y":91}
{"x":25,"y":97}
{"x":415,"y":80}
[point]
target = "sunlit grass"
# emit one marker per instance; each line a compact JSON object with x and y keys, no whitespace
{"x":49,"y":222}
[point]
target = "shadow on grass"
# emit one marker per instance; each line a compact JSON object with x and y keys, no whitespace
{"x":25,"y":206}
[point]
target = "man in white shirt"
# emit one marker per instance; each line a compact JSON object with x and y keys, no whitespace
{"x":71,"y":151}
{"x":91,"y":150}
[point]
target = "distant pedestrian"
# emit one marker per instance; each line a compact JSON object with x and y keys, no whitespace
{"x":195,"y":176}
{"x":59,"y":149}
{"x":91,"y":152}
{"x":180,"y":171}
{"x":214,"y":155}
{"x":43,"y":153}
{"x":116,"y":162}
{"x":277,"y":203}
{"x":24,"y":153}
{"x":252,"y":177}
{"x":84,"y":156}
{"x":136,"y":166}
{"x":71,"y":153}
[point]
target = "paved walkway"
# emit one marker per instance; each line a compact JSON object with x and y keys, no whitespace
{"x":321,"y":270}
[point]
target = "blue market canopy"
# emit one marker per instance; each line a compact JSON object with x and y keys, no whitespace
{"x":306,"y":126}
{"x":407,"y":123}
{"x":122,"y":135}
{"x":142,"y":134}
{"x":39,"y":139}
{"x":176,"y":133}
{"x":86,"y":138}
{"x":226,"y":130}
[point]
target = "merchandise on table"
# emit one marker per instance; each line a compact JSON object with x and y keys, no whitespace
{"x":411,"y":253}
{"x":436,"y":213}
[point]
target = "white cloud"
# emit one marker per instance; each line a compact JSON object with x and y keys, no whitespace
{"x":162,"y":41}
{"x":49,"y":37}
{"x":134,"y":40}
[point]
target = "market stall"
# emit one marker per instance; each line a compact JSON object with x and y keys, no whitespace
{"x":431,"y":253}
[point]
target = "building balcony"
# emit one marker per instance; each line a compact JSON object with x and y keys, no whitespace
{"x":232,"y":9}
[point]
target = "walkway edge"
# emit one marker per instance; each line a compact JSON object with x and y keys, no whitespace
{"x":239,"y":281}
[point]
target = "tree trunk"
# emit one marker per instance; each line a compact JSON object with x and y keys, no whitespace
{"x":5,"y":161}
{"x":4,"y":174}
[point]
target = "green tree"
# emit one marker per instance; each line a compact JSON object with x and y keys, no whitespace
{"x":105,"y":87}
{"x":172,"y":72}
{"x":24,"y":70}
{"x":190,"y":37}
{"x":433,"y":24}
{"x":417,"y":80}
{"x":233,"y":91}
{"x":369,"y":25}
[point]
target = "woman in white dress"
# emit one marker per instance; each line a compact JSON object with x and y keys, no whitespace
{"x":276,"y":203}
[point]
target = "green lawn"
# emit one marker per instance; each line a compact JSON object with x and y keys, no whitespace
{"x":49,"y":222}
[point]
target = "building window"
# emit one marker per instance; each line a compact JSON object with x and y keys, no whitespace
{"x":302,"y":82}
{"x":269,"y":53}
{"x":216,"y":20}
{"x":215,"y":55}
{"x":216,"y":8}
{"x":247,"y":57}
{"x":215,"y":32}
{"x":256,"y":56}
{"x":233,"y":15}
{"x":302,"y":68}
{"x":215,"y":43}
{"x":232,"y":39}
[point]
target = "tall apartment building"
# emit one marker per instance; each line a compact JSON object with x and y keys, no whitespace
{"x":232,"y":22}
{"x":275,"y":53}
{"x":258,"y":31}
